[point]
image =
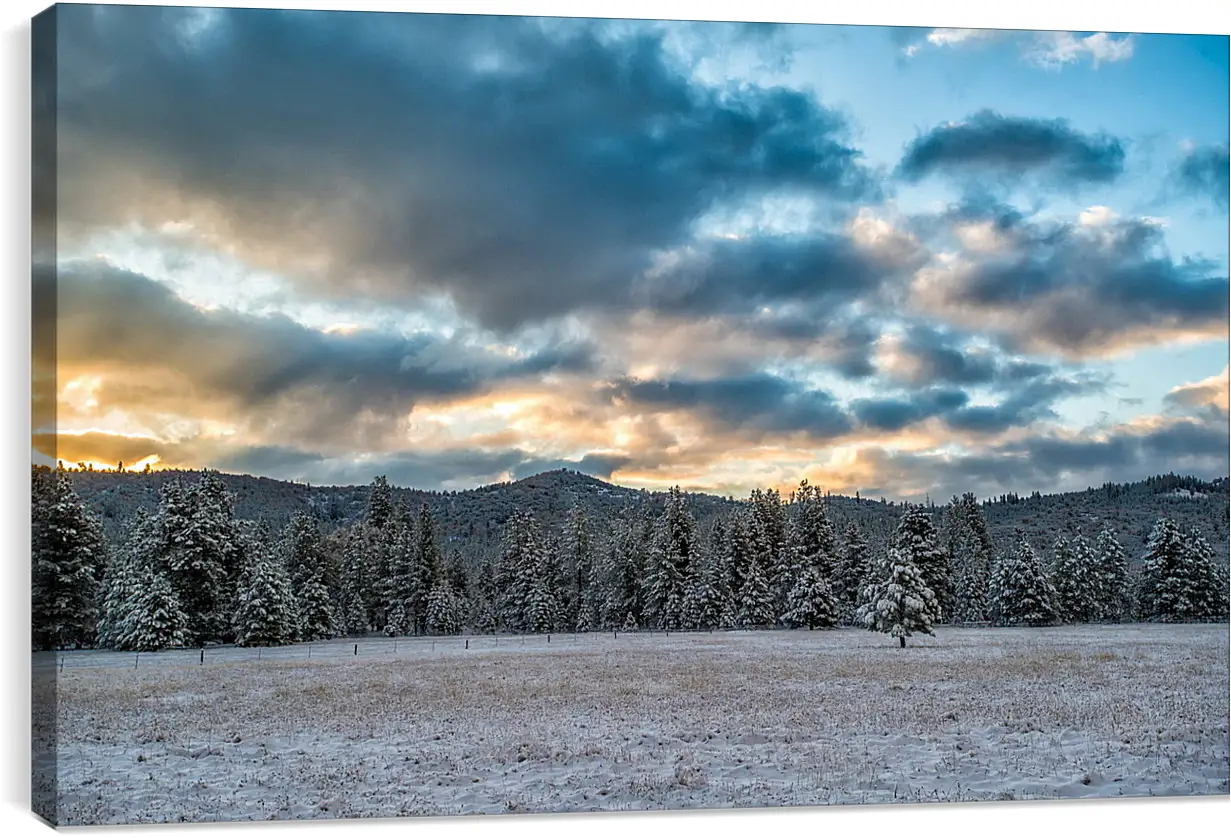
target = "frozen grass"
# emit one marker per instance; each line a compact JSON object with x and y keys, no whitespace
{"x":593,"y":722}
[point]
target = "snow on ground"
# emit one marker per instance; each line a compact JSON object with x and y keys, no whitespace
{"x":596,"y":722}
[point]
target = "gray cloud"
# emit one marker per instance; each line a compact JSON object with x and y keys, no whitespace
{"x":527,"y":169}
{"x":1012,"y":147}
{"x":1206,"y":171}
{"x":1081,"y":290}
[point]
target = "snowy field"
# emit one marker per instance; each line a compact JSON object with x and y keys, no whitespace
{"x":594,"y":722}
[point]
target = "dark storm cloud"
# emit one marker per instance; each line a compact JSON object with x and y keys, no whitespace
{"x":1082,"y":290}
{"x":737,"y":275}
{"x":1012,"y":147}
{"x":758,"y":402}
{"x":894,"y":414}
{"x":115,"y":320}
{"x":1206,"y":171}
{"x":529,"y":170}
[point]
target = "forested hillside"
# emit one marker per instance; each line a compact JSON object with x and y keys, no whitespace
{"x":191,"y":559}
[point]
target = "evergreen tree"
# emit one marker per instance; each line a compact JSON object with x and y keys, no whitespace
{"x":970,"y":549}
{"x":577,"y":558}
{"x":444,"y":610}
{"x":352,"y":594}
{"x":810,"y":544}
{"x":303,"y":557}
{"x":778,"y":559}
{"x":1075,"y":576}
{"x":854,"y":570}
{"x":917,"y":539}
{"x":155,"y":619}
{"x":266,"y":613}
{"x":1022,"y":593}
{"x":380,"y":504}
{"x":898,"y":603}
{"x":1114,"y":582}
{"x":666,"y":580}
{"x":427,"y":569}
{"x":1210,"y":584}
{"x":1172,"y":578}
{"x":755,"y":603}
{"x":68,"y":553}
{"x":811,"y":603}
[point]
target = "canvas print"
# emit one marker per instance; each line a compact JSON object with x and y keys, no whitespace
{"x":449,"y":414}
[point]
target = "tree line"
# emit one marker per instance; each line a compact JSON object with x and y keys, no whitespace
{"x":190,"y":573}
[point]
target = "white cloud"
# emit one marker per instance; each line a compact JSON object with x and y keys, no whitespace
{"x":1054,"y":50}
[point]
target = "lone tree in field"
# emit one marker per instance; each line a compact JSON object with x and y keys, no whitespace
{"x":899,"y":604}
{"x":1022,"y":595}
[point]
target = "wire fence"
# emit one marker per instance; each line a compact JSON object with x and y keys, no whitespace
{"x":339,"y":649}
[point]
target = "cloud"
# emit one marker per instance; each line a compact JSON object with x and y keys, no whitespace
{"x":1048,"y":50}
{"x":1012,"y":148}
{"x":157,"y":354}
{"x":1054,"y":50}
{"x":1079,"y":290}
{"x":761,"y":403}
{"x":1208,"y":394}
{"x":527,"y":168}
{"x":1206,"y":171}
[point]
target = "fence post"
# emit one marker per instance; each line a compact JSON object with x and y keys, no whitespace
{"x":549,"y":638}
{"x":136,"y":660}
{"x":309,"y":651}
{"x":258,"y":652}
{"x":202,"y":657}
{"x":61,"y":663}
{"x":356,"y":648}
{"x":467,"y":643}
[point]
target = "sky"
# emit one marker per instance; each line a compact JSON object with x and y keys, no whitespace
{"x":456,"y":250}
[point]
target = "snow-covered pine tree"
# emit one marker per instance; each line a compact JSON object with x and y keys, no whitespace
{"x":155,"y":619}
{"x":755,"y":605}
{"x":303,"y":557}
{"x":199,"y":541}
{"x":777,"y":560}
{"x":1074,"y":573}
{"x":576,"y":558}
{"x":854,"y":570}
{"x":811,"y":603}
{"x":352,"y":590}
{"x":68,"y":554}
{"x":380,"y":510}
{"x":136,"y":555}
{"x":970,"y":548}
{"x":810,"y":544}
{"x":427,"y":569}
{"x":666,"y":579}
{"x":702,"y":605}
{"x":898,"y":601}
{"x":917,"y":539}
{"x":1171,"y":581}
{"x":1211,"y":586}
{"x":526,"y":595}
{"x":1021,"y":592}
{"x":628,"y":557}
{"x":1115,"y":589}
{"x":266,"y":613}
{"x":444,"y":610}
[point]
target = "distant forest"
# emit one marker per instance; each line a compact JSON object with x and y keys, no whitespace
{"x":148,"y":560}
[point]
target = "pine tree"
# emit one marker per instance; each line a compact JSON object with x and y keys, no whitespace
{"x":266,"y":613}
{"x":970,"y":549}
{"x":811,"y":603}
{"x":1074,"y":574}
{"x":810,"y":544}
{"x":1211,"y":586}
{"x":666,"y":580}
{"x":427,"y":570}
{"x":1114,"y":581}
{"x":577,"y":558}
{"x":352,"y":593}
{"x":155,"y":619}
{"x":1022,"y":593}
{"x":778,"y":559}
{"x":316,"y":619}
{"x":1172,"y":577}
{"x":755,"y":602}
{"x":303,"y":557}
{"x":898,"y":603}
{"x":380,"y":504}
{"x":917,"y":539}
{"x":68,"y":553}
{"x":444,"y":610}
{"x":854,"y":570}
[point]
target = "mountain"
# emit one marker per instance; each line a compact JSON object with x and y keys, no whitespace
{"x":472,"y":519}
